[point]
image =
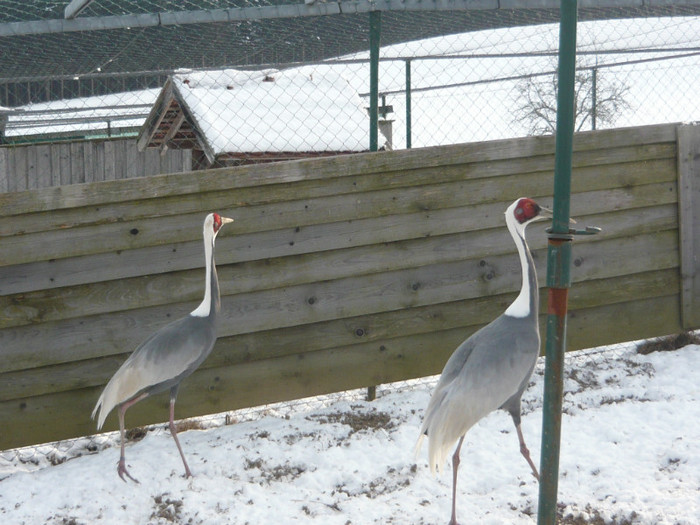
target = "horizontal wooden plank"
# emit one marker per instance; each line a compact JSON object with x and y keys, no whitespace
{"x":233,"y":248}
{"x":631,"y":167}
{"x":53,"y":273}
{"x":60,"y":274}
{"x":95,"y":194}
{"x":65,"y":415}
{"x":408,"y":357}
{"x":186,"y":286}
{"x":622,"y":322}
{"x":36,"y":418}
{"x":113,"y":233}
{"x":376,"y":329}
{"x":279,"y":272}
{"x":293,"y":214}
{"x":84,"y":338}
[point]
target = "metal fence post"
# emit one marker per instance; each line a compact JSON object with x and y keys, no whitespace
{"x":375,"y":29}
{"x":558,"y":269}
{"x":375,"y":23}
{"x":408,"y":104}
{"x":594,"y":94}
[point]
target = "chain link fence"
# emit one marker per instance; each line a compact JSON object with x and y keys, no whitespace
{"x":502,"y":83}
{"x":291,"y":88}
{"x":41,"y":456}
{"x":465,"y":87}
{"x":589,"y":374}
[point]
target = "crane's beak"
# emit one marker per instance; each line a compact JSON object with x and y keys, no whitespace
{"x":225,"y":220}
{"x":545,"y":213}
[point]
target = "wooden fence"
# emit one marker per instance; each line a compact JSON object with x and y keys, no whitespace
{"x":33,"y":166}
{"x":338,"y":273}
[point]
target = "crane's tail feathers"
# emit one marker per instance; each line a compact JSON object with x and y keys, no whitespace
{"x":419,"y":444}
{"x":101,"y":410}
{"x":434,"y":465}
{"x":97,"y":408}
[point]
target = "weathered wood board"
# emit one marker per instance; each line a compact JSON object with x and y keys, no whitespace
{"x":338,"y":273}
{"x":32,"y":166}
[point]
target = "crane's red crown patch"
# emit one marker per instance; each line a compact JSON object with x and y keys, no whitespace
{"x":526,"y":209}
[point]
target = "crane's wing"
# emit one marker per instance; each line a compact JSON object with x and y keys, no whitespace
{"x":482,"y":374}
{"x":161,"y":361}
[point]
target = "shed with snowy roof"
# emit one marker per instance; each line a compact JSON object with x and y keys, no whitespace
{"x":231,"y":117}
{"x":85,"y":118}
{"x":78,"y":140}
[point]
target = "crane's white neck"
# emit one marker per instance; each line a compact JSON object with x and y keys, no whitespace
{"x":204,"y":308}
{"x":523,"y":304}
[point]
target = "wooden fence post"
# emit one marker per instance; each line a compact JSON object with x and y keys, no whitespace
{"x":4,"y":171}
{"x":689,"y":223}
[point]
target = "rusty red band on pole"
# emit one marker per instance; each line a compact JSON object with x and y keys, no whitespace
{"x":557,"y":302}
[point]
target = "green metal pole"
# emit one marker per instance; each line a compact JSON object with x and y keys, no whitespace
{"x":558,"y":269}
{"x":375,"y":24}
{"x":375,"y":30}
{"x":594,"y":101}
{"x":408,"y":104}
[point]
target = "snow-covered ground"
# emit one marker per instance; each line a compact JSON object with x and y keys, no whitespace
{"x":630,"y":454}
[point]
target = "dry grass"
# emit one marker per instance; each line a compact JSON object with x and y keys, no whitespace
{"x":358,"y":421}
{"x":668,"y":343}
{"x":593,"y":517}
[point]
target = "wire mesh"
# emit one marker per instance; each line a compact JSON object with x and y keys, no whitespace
{"x":589,"y":374}
{"x":37,"y":457}
{"x":444,"y":79}
{"x":473,"y":76}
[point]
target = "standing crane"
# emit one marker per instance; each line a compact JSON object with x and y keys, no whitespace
{"x":492,"y":368}
{"x":169,"y":355}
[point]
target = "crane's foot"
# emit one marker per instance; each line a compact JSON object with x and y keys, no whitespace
{"x":121,"y":470}
{"x":526,"y":454}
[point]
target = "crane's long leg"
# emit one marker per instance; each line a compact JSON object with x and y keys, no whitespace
{"x":173,"y":431}
{"x":121,"y":469}
{"x":455,"y":466}
{"x":525,"y":452}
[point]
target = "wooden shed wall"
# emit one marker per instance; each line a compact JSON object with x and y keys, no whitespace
{"x":338,"y":273}
{"x":27,"y":167}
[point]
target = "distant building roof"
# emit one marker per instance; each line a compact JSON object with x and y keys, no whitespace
{"x":258,"y":112}
{"x":79,"y":117}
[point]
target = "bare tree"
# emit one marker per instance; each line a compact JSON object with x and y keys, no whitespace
{"x":597,"y":101}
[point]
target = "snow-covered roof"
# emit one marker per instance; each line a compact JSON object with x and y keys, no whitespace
{"x":268,"y":111}
{"x":79,"y":116}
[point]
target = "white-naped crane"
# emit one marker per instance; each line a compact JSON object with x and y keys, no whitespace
{"x":169,"y":355}
{"x":491,"y":369}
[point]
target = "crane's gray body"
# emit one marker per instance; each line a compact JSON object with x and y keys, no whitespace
{"x":169,"y":351}
{"x":162,"y":361}
{"x":488,"y":371}
{"x":169,"y":355}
